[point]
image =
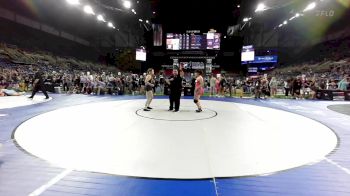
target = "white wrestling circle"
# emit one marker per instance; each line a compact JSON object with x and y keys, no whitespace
{"x":109,"y":137}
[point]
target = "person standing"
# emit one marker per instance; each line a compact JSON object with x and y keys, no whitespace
{"x":193,"y":83}
{"x":199,"y":90}
{"x":149,"y":83}
{"x":175,"y":83}
{"x":223,"y":85}
{"x":343,"y":84}
{"x":65,"y":82}
{"x":212,"y":85}
{"x":217,"y":86}
{"x":161,"y":83}
{"x":297,"y":85}
{"x":257,"y":88}
{"x":286,"y":87}
{"x":273,"y":86}
{"x":38,"y":85}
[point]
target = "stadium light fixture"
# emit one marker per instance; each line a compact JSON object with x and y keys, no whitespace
{"x":100,"y":18}
{"x":311,"y":6}
{"x":88,"y":9}
{"x":261,"y":7}
{"x":296,"y":16}
{"x":111,"y":25}
{"x":127,"y":4}
{"x":73,"y":2}
{"x":246,"y":19}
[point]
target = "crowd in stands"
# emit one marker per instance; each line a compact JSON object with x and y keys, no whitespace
{"x":297,"y":81}
{"x":87,"y":81}
{"x":17,"y":69}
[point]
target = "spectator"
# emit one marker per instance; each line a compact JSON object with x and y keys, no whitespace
{"x":344,"y":84}
{"x":273,"y":86}
{"x":213,"y":81}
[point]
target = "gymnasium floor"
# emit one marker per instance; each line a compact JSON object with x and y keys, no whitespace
{"x":89,"y":145}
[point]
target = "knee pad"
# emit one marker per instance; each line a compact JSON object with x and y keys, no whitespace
{"x":195,"y":101}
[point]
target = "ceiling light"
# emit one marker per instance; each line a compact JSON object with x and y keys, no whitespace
{"x":111,"y":25}
{"x":285,"y":22}
{"x":100,"y":18}
{"x":246,"y":19}
{"x":311,"y":6}
{"x":261,"y":7}
{"x":127,"y":4}
{"x":73,"y":2}
{"x":88,"y":9}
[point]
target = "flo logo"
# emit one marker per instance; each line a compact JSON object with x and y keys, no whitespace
{"x":325,"y":13}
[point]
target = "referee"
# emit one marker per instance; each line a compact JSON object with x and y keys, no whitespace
{"x":175,"y":83}
{"x":38,"y":85}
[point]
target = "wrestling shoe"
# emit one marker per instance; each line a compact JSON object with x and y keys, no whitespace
{"x":199,"y":110}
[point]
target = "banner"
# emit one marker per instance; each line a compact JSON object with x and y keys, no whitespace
{"x":157,"y":34}
{"x":262,"y":59}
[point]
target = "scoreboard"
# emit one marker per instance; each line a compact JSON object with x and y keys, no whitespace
{"x":206,"y":41}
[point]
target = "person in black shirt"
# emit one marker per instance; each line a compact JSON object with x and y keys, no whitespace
{"x":193,"y":84}
{"x":297,"y":84}
{"x":175,"y":83}
{"x":223,"y":85}
{"x":38,"y":85}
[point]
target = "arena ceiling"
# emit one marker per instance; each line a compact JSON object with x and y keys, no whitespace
{"x":60,"y":14}
{"x":280,"y":10}
{"x":181,"y":15}
{"x":175,"y":15}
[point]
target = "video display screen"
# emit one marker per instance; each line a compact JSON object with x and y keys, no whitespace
{"x":173,"y":42}
{"x":141,"y":55}
{"x":206,"y":41}
{"x":248,"y":53}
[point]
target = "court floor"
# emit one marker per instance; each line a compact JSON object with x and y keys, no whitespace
{"x":87,"y":145}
